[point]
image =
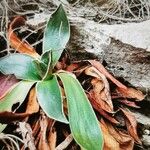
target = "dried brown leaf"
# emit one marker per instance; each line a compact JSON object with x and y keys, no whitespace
{"x":131,"y":124}
{"x":125,"y":141}
{"x":95,"y":100}
{"x":109,"y":141}
{"x":15,"y":42}
{"x":102,"y":69}
{"x":129,"y":103}
{"x":32,"y":105}
{"x":127,"y":92}
{"x":98,"y":85}
{"x":131,"y":93}
{"x":52,"y":137}
{"x":100,"y":89}
{"x":97,"y":106}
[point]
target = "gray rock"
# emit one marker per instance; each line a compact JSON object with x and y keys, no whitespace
{"x":130,"y":63}
{"x":146,"y":141}
{"x":123,"y":60}
{"x":135,"y":34}
{"x":143,"y":119}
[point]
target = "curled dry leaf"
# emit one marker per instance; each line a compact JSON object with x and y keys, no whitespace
{"x":102,"y":69}
{"x":109,"y":141}
{"x":131,"y":93}
{"x":129,"y":103}
{"x":100,"y":89}
{"x":16,"y":43}
{"x":125,"y":91}
{"x":6,"y":83}
{"x":100,"y":95}
{"x":97,"y":106}
{"x":126,"y":142}
{"x":32,"y":105}
{"x":131,"y":124}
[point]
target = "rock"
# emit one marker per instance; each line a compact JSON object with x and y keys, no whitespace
{"x":147,"y":132}
{"x":146,"y":141}
{"x":125,"y":33}
{"x":122,"y":60}
{"x":86,"y":35}
{"x":135,"y":34}
{"x":143,"y":119}
{"x":128,"y":62}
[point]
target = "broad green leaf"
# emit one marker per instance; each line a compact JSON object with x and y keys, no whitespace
{"x":21,"y":65}
{"x":82,"y":119}
{"x":49,"y":98}
{"x":16,"y":95}
{"x":56,"y":34}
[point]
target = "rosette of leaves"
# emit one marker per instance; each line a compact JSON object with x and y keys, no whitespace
{"x":39,"y":71}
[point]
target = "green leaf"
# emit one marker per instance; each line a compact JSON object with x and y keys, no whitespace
{"x":56,"y":34}
{"x":41,"y":67}
{"x":49,"y":98}
{"x":46,"y":59}
{"x":82,"y":119}
{"x":16,"y":95}
{"x":21,"y":65}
